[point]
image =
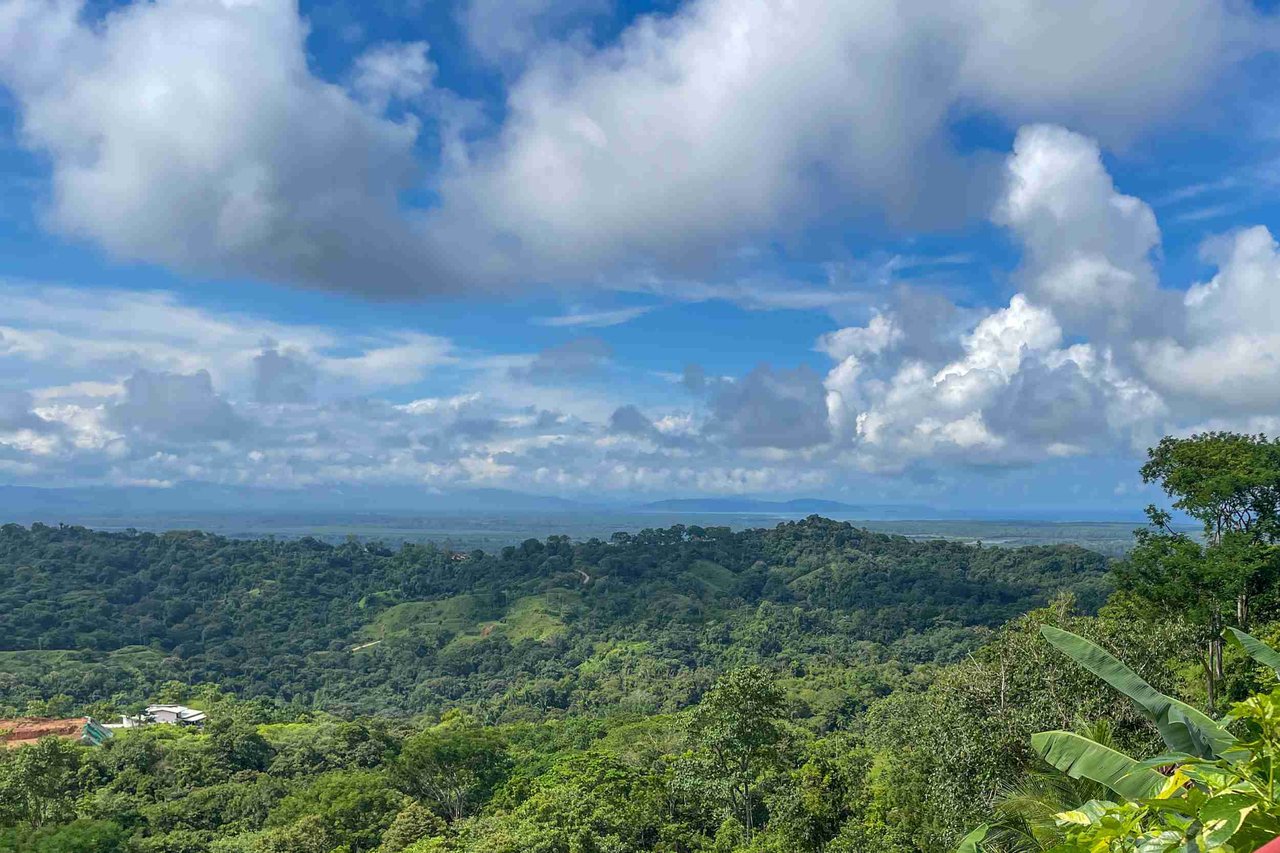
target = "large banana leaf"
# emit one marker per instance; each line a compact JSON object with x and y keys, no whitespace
{"x":1081,"y":758}
{"x":1256,"y":649}
{"x":973,"y":839}
{"x":1183,"y":728}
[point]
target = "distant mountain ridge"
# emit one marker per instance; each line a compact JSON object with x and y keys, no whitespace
{"x":22,"y":501}
{"x":73,"y":504}
{"x":806,"y":506}
{"x":29,"y":501}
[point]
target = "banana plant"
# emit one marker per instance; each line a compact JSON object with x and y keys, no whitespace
{"x":973,"y":839}
{"x":1184,"y":729}
{"x":1255,"y":649}
{"x":1081,"y":758}
{"x":1223,"y":795}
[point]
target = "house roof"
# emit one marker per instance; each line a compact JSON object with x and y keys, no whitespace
{"x":182,"y":712}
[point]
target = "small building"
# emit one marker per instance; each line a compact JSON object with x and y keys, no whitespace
{"x":20,"y":732}
{"x":175,"y":715}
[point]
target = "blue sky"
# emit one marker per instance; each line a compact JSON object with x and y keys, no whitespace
{"x":977,"y":255}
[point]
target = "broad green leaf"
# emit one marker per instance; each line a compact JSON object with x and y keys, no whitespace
{"x":1088,"y":814}
{"x":1165,"y":842}
{"x":1176,"y":720}
{"x":1256,"y":649}
{"x":973,"y":839}
{"x":1223,"y":816}
{"x":1171,"y":805}
{"x":1079,"y":757}
{"x":1074,"y":817}
{"x":1189,"y":732}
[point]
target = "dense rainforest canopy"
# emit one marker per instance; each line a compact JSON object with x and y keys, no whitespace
{"x":644,"y":622}
{"x":814,"y":688}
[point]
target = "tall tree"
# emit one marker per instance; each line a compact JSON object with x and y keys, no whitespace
{"x":453,"y":768}
{"x":736,"y":728}
{"x":1230,"y":483}
{"x":39,"y":783}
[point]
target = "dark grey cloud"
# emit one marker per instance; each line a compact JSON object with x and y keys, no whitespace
{"x":175,"y":407}
{"x":694,"y":378}
{"x":283,"y":376}
{"x":771,"y":408}
{"x":16,"y":413}
{"x":548,"y":420}
{"x":628,"y":420}
{"x":476,"y":428}
{"x":1044,"y":405}
{"x":575,"y":359}
{"x":931,"y":325}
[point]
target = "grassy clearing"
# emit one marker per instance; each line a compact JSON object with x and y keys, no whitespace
{"x":713,"y":575}
{"x":469,"y":619}
{"x":449,"y":615}
{"x":537,"y":617}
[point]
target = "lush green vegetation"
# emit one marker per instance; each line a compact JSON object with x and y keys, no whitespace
{"x":1212,"y":789}
{"x":813,"y":688}
{"x":643,"y":623}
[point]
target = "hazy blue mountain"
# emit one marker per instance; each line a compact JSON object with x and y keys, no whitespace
{"x":19,"y":502}
{"x":801,"y":506}
{"x":257,"y":511}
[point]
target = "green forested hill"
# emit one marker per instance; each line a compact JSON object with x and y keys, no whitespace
{"x":643,"y":622}
{"x":556,"y":697}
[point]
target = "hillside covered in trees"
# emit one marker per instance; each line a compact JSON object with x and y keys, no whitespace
{"x":814,"y":688}
{"x":643,"y":623}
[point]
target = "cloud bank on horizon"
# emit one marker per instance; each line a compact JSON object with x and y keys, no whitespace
{"x":935,"y":190}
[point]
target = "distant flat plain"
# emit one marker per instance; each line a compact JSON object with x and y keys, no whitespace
{"x":465,"y":531}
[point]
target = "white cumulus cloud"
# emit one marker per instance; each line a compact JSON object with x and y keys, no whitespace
{"x":192,"y":133}
{"x":195,"y":134}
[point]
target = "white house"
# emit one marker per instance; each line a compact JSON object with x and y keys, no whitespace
{"x":176,"y":714}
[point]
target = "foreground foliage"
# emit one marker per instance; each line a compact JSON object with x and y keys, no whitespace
{"x":1210,"y":791}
